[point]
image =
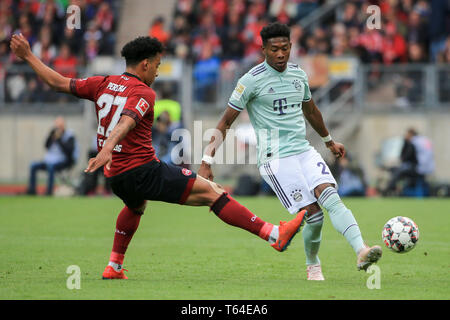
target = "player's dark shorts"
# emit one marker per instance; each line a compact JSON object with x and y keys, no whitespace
{"x":155,"y":180}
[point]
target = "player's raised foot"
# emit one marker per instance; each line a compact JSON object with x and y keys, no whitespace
{"x":314,"y":272}
{"x":288,"y":230}
{"x":110,"y":273}
{"x":368,"y":256}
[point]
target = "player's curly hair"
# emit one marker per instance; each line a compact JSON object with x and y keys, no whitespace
{"x":274,"y":30}
{"x":141,"y":48}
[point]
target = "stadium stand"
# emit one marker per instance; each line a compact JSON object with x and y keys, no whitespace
{"x":404,"y":24}
{"x":402,"y":66}
{"x":67,"y":50}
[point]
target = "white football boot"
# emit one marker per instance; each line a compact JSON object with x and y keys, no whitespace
{"x":314,"y":272}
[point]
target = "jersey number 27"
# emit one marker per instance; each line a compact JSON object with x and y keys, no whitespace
{"x":105,"y":103}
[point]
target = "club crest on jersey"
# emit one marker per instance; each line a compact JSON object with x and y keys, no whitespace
{"x":142,"y":106}
{"x":297,"y":84}
{"x":297,"y":195}
{"x":186,"y":172}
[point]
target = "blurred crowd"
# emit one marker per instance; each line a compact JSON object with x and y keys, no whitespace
{"x":216,"y":34}
{"x":411,"y":30}
{"x":66,"y":49}
{"x":223,"y":35}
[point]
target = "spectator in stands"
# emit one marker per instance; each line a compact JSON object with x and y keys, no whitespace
{"x":230,"y":34}
{"x":167,"y":112}
{"x":44,"y":48}
{"x":322,"y":40}
{"x":93,"y":32}
{"x":43,"y":24}
{"x":350,"y":15}
{"x":206,"y":74}
{"x":5,"y":27}
{"x":91,"y":8}
{"x":218,"y":9}
{"x":297,"y":39}
{"x":256,"y":10}
{"x":92,"y":50}
{"x":409,"y":85}
{"x":417,"y":161}
{"x":61,"y":154}
{"x":166,"y":102}
{"x":90,"y":181}
{"x":206,"y":38}
{"x":350,"y":177}
{"x":416,"y":29}
{"x":180,"y":25}
{"x":104,"y":19}
{"x":16,"y":85}
{"x":339,"y":41}
{"x":305,"y":8}
{"x":186,"y":8}
{"x":394,"y":46}
{"x":4,"y":55}
{"x":65,"y":62}
{"x":372,"y":41}
{"x":72,"y":37}
{"x":161,"y":137}
{"x":33,"y":93}
{"x":444,"y":76}
{"x":50,"y":16}
{"x":252,"y":41}
{"x":283,"y":11}
{"x":439,"y":26}
{"x":157,"y":30}
{"x":180,"y":41}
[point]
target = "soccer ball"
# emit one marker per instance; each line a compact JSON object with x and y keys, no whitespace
{"x":400,"y":234}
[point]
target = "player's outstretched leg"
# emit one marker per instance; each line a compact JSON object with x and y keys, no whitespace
{"x":344,"y":222}
{"x":126,"y":225}
{"x":205,"y":192}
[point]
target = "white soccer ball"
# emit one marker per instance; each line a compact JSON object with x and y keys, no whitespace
{"x":400,"y":234}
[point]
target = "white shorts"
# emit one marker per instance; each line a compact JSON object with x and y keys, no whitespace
{"x":294,"y":178}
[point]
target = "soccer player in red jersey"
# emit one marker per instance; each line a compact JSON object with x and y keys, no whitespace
{"x":124,"y":106}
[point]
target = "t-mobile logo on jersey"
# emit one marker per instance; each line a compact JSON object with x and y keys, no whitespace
{"x":280,"y":104}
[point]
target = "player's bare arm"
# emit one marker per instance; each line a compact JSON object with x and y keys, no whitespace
{"x":104,"y":157}
{"x":314,"y":117}
{"x":21,"y":48}
{"x":224,"y":124}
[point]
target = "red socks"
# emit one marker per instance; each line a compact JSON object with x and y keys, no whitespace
{"x":126,"y":225}
{"x":235,"y":214}
{"x":225,"y":207}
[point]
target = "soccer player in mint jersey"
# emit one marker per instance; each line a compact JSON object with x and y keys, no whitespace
{"x":124,"y":106}
{"x":277,"y":97}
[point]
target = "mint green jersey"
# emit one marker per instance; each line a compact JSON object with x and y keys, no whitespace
{"x":274,"y":103}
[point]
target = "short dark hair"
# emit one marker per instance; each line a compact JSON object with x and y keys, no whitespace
{"x":275,"y":30}
{"x":141,"y":48}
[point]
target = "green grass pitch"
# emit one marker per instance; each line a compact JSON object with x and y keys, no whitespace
{"x":187,"y":253}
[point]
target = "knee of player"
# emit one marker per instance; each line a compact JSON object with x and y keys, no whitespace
{"x":218,"y":189}
{"x":209,"y":197}
{"x":320,"y":188}
{"x":213,"y":194}
{"x":141,"y":209}
{"x":314,"y":213}
{"x":312,"y":208}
